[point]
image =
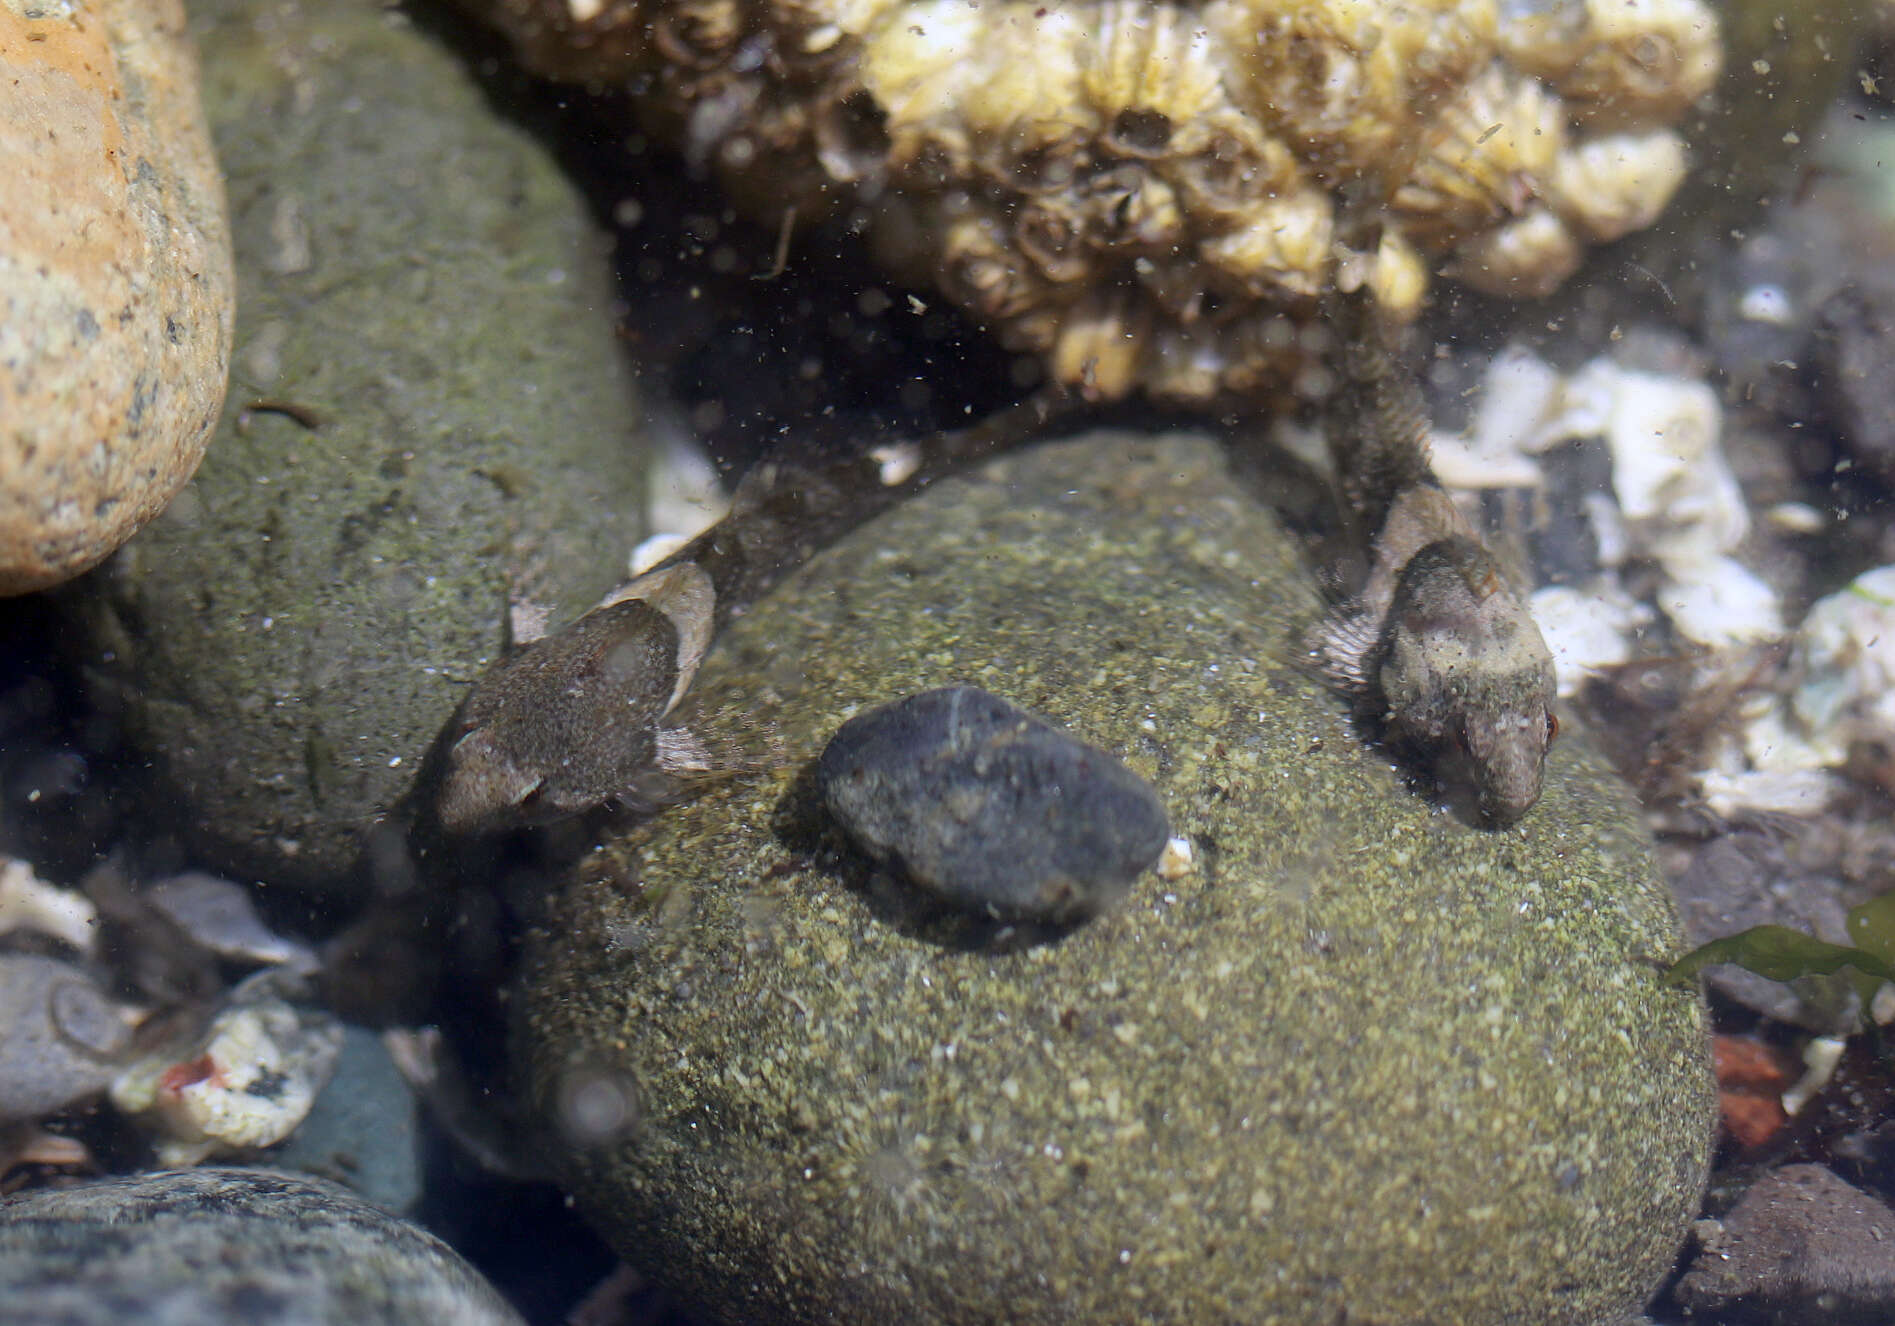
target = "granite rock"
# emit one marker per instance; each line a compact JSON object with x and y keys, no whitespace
{"x":228,"y":1247}
{"x":1363,"y":1062}
{"x":115,"y":280}
{"x":427,"y":403}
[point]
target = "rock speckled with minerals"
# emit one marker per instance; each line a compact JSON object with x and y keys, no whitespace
{"x":228,"y":1247}
{"x":1143,"y":192}
{"x":116,"y":288}
{"x":989,"y":808}
{"x":1362,"y":1062}
{"x":426,"y":401}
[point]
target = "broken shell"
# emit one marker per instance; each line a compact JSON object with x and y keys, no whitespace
{"x":219,"y":914}
{"x":1845,"y":661}
{"x":1680,"y":500}
{"x":247,"y":1082}
{"x":1586,"y":630}
{"x":29,"y":903}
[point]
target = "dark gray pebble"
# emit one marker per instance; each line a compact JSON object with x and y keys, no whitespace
{"x":219,"y":1247}
{"x":990,"y":807}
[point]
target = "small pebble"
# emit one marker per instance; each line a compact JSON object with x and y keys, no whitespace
{"x":219,"y":914}
{"x":990,"y":808}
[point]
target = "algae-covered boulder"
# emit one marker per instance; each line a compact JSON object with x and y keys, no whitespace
{"x":426,"y":401}
{"x":1361,"y":1062}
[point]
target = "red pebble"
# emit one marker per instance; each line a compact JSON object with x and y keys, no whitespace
{"x":1751,"y":1079}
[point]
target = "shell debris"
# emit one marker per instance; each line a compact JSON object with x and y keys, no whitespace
{"x":1842,"y":662}
{"x":29,"y":903}
{"x":1673,"y":501}
{"x":247,"y":1082}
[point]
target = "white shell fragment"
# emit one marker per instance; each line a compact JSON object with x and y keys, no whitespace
{"x":247,"y":1082}
{"x":1844,"y":662}
{"x":685,"y":498}
{"x":1673,"y":500}
{"x":1680,"y":501}
{"x":1587,"y":630}
{"x":29,"y":903}
{"x":1722,"y":603}
{"x":1177,"y":860}
{"x":1846,"y":652}
{"x":1519,"y":398}
{"x":1843,"y":667}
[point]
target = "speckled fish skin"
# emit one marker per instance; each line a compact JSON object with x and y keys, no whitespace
{"x":577,"y":719}
{"x":1437,"y":647}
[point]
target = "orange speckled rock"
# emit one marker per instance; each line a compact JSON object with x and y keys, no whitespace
{"x":116,"y":291}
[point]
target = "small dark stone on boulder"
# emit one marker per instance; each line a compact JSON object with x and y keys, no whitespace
{"x":991,"y":808}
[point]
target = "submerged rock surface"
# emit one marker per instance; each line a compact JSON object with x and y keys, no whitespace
{"x":426,"y":402}
{"x":1363,"y":1063}
{"x":220,"y":1247}
{"x":115,"y":280}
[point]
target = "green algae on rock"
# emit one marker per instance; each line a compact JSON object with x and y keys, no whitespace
{"x":425,"y":378}
{"x":1363,"y":1063}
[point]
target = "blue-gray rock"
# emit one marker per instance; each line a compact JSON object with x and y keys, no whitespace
{"x":61,"y":1036}
{"x":228,"y":1247}
{"x":989,"y":807}
{"x":427,"y":402}
{"x":1363,"y":1063}
{"x":364,"y":1129}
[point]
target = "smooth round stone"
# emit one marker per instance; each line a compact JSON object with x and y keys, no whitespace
{"x":1364,"y":1063}
{"x":989,"y":808}
{"x":228,"y":1247}
{"x":428,"y":409}
{"x":115,"y":279}
{"x":63,"y":1037}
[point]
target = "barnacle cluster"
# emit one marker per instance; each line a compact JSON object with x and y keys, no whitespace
{"x":1145,"y":192}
